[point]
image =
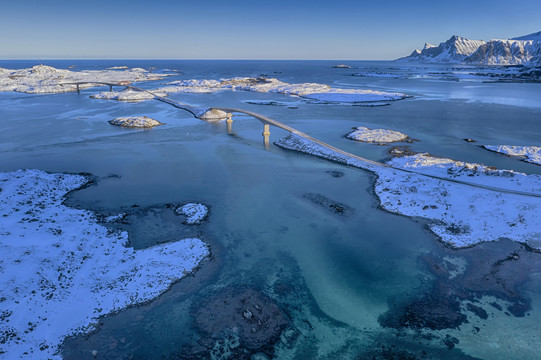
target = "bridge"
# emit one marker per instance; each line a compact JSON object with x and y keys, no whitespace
{"x":199,"y":111}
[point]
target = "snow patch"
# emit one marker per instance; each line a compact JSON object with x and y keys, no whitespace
{"x":195,"y":213}
{"x":213,"y":115}
{"x":135,"y":121}
{"x":365,"y":134}
{"x":60,"y":270}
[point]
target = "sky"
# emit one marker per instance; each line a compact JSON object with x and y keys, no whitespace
{"x":241,"y":29}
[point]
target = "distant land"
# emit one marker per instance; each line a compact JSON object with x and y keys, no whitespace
{"x":523,"y":50}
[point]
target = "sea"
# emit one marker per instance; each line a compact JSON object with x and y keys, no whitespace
{"x":356,"y":284}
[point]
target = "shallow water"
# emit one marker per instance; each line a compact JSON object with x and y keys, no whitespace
{"x":333,"y":275}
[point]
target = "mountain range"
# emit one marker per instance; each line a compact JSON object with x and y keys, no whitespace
{"x":522,"y":50}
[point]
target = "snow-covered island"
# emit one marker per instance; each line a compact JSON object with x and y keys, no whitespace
{"x":497,"y":204}
{"x":61,"y":270}
{"x":379,"y":136}
{"x":310,"y":91}
{"x":47,"y":79}
{"x":195,"y":213}
{"x":531,"y":154}
{"x":135,"y":122}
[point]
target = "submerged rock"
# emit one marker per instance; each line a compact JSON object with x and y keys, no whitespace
{"x":330,"y":205}
{"x":135,"y":121}
{"x":251,"y":316}
{"x":365,"y":134}
{"x":498,"y":269}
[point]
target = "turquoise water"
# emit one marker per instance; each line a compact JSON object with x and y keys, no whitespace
{"x":333,"y":276}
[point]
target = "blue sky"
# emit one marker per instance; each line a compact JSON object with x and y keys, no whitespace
{"x":277,"y":29}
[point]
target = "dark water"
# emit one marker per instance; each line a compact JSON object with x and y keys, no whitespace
{"x":335,"y":277}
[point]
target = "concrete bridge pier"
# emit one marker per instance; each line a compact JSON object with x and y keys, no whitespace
{"x":266,"y":135}
{"x":229,"y":123}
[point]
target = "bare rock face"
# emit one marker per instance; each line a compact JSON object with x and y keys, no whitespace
{"x":249,"y":315}
{"x":135,"y":121}
{"x":213,"y":115}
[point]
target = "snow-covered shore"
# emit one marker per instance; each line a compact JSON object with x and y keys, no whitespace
{"x":531,"y":154}
{"x":461,"y":215}
{"x":47,"y":79}
{"x":60,"y":270}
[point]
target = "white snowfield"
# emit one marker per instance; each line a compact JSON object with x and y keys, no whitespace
{"x":47,"y":79}
{"x":195,"y":213}
{"x":379,"y":136}
{"x":135,"y":121}
{"x":311,"y":91}
{"x":531,"y":154}
{"x":60,"y":270}
{"x":461,"y":215}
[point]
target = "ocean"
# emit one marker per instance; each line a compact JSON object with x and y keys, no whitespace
{"x":355,"y":284}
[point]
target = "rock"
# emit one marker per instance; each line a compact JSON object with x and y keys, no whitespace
{"x":254,"y":317}
{"x":135,"y":121}
{"x":332,"y":206}
{"x":365,"y":134}
{"x":195,"y":213}
{"x":213,"y":115}
{"x":469,"y":140}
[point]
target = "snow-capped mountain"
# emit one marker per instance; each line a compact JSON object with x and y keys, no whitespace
{"x":456,"y":49}
{"x":523,"y":50}
{"x":506,"y":52}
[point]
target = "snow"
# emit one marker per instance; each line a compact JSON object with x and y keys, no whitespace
{"x":128,"y":95}
{"x":365,"y":134}
{"x":47,"y":79}
{"x":195,"y":213}
{"x":505,"y":52}
{"x":115,"y":218}
{"x":60,"y":270}
{"x":311,"y":91}
{"x":353,"y":96}
{"x":533,"y":36}
{"x":460,"y":215}
{"x":135,"y":121}
{"x":531,"y":154}
{"x":524,"y":50}
{"x":213,"y":115}
{"x":454,"y":50}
